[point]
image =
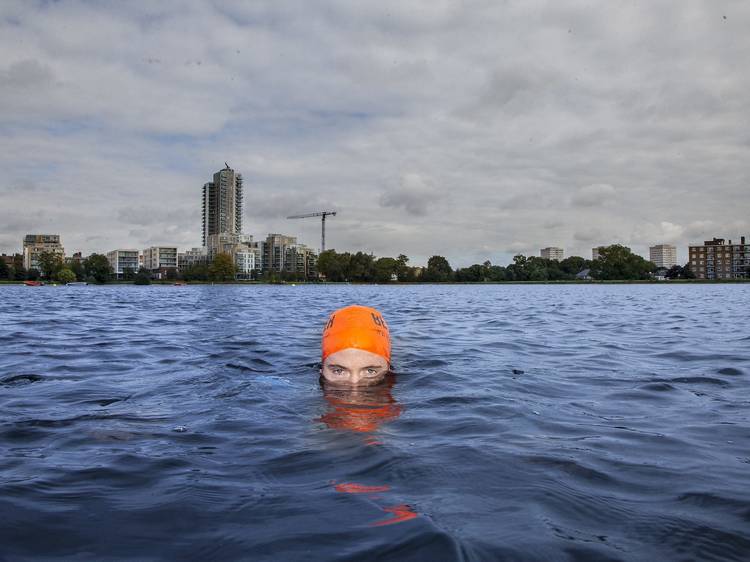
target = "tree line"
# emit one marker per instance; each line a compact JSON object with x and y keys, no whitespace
{"x":616,"y":262}
{"x":97,"y":269}
{"x":52,"y":267}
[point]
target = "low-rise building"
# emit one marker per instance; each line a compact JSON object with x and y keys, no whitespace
{"x":283,"y":254}
{"x":716,"y":259}
{"x":552,"y":253}
{"x":192,"y":257}
{"x":301,"y":260}
{"x":159,"y":260}
{"x":246,"y":253}
{"x":123,"y":261}
{"x":275,"y":252}
{"x":36,"y":244}
{"x":663,"y":255}
{"x":244,"y":262}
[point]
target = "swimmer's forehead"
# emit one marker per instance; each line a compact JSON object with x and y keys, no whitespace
{"x":354,"y":354}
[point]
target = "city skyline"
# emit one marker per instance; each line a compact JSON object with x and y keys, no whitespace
{"x":474,"y":134}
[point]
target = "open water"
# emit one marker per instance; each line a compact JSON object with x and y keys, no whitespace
{"x":524,"y":422}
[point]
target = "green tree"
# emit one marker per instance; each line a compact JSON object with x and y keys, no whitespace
{"x":19,"y":271}
{"x":196,"y":272}
{"x":517,"y":270}
{"x":402,"y":267}
{"x":65,"y":275}
{"x":50,"y":263}
{"x":472,"y":274}
{"x":33,"y":274}
{"x":617,"y":262}
{"x":334,"y":266}
{"x":674,"y":272}
{"x":573,"y":265}
{"x":76,"y":266}
{"x":97,"y":266}
{"x":5,"y":272}
{"x":385,"y":269}
{"x":128,"y":273}
{"x":362,"y":267}
{"x":496,"y":273}
{"x":688,"y":273}
{"x":143,"y":277}
{"x":222,"y":268}
{"x":438,"y":270}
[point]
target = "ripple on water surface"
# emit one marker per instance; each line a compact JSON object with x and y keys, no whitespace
{"x":522,"y":423}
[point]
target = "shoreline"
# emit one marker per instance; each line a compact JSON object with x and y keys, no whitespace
{"x":417,"y":283}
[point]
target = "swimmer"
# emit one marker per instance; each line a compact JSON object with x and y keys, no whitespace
{"x":356,"y":347}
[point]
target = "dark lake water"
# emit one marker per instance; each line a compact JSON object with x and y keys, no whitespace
{"x":523,"y":423}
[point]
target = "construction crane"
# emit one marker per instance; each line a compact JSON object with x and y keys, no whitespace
{"x":322,"y":215}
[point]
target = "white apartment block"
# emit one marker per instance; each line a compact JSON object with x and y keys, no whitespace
{"x":663,"y":255}
{"x":552,"y":253}
{"x":121,"y":260}
{"x":244,"y":261}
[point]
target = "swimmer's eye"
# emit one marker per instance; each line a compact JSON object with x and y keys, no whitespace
{"x":372,"y":372}
{"x":337,"y":372}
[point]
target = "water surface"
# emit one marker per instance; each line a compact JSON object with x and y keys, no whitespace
{"x":524,"y":422}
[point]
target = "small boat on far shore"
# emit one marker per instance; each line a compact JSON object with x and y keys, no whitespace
{"x":33,"y":283}
{"x":179,"y":283}
{"x":76,"y":283}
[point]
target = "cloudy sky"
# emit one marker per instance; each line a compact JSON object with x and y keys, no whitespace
{"x":474,"y":129}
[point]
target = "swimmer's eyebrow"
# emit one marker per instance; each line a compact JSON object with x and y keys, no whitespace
{"x":337,"y":367}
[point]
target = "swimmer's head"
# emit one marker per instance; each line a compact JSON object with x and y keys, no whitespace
{"x":356,"y":347}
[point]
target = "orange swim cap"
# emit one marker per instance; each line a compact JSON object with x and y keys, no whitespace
{"x":360,"y":327}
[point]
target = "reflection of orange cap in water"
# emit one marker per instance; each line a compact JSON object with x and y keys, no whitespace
{"x":361,"y":417}
{"x":360,"y":327}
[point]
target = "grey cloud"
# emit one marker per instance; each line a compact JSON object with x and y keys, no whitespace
{"x":144,"y":215}
{"x":284,"y":205}
{"x":23,"y":185}
{"x":588,"y":235}
{"x":515,"y":117}
{"x":593,"y":195}
{"x":415,"y":194}
{"x":26,"y":75}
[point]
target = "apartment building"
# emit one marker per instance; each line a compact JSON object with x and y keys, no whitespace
{"x":663,"y":255}
{"x":36,"y":244}
{"x":222,"y":206}
{"x":718,"y":259}
{"x":123,"y":260}
{"x":191,"y":257}
{"x":552,"y":253}
{"x":159,"y":260}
